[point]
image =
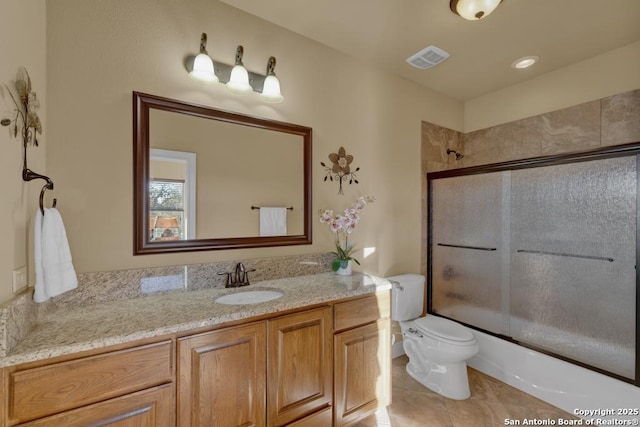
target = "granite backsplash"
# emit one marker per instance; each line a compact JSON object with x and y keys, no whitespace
{"x":20,"y":315}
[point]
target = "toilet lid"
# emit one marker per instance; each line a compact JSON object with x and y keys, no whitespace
{"x":444,"y":328}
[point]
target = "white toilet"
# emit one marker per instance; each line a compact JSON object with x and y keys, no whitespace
{"x":438,"y":348}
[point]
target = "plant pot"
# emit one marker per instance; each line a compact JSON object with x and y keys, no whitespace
{"x":346,"y":271}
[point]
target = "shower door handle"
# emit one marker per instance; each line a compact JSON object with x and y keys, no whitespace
{"x":477,"y":248}
{"x":599,"y":258}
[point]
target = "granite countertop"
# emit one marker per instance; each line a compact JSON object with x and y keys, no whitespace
{"x":69,"y":330}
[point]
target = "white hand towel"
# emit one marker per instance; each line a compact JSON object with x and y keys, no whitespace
{"x":38,"y":296}
{"x":273,"y":221}
{"x":54,"y":270}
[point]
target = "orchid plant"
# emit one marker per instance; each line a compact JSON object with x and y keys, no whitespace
{"x":343,"y":225}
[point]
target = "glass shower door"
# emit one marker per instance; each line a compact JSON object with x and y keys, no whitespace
{"x":573,"y":252}
{"x":469,"y":275}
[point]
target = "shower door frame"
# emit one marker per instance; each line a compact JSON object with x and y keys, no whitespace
{"x":624,"y":150}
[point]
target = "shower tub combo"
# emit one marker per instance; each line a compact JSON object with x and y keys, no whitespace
{"x":539,"y":258}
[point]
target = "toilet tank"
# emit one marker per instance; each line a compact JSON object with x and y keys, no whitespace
{"x":407,"y":296}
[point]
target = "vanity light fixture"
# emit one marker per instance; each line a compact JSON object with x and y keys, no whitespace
{"x":239,"y":80}
{"x":271,"y":88}
{"x":525,"y":62}
{"x":236,"y":78}
{"x":203,"y":69}
{"x":473,"y":10}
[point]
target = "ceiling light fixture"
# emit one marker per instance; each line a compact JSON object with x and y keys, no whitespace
{"x":236,"y":78}
{"x":525,"y":62}
{"x":473,"y":10}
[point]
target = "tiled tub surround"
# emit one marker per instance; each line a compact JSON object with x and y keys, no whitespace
{"x":71,"y":329}
{"x":605,"y":122}
{"x":20,"y":316}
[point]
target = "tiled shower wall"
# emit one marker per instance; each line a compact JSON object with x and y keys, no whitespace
{"x":609,"y":121}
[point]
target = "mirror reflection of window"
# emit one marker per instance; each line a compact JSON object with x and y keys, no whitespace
{"x":166,"y":209}
{"x":171,"y":195}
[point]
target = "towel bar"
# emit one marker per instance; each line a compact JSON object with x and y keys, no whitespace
{"x":258,"y":207}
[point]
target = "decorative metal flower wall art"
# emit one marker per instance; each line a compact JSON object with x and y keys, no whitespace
{"x":24,"y":116}
{"x":340,"y":169}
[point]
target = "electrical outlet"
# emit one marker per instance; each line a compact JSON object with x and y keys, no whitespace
{"x":19,"y":279}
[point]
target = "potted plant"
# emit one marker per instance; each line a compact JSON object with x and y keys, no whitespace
{"x":343,"y":225}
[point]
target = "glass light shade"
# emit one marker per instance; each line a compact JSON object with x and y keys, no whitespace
{"x":474,"y":10}
{"x":271,"y":89}
{"x":239,"y":81}
{"x":203,"y":69}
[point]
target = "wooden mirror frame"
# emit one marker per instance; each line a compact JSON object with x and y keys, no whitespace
{"x":142,"y":103}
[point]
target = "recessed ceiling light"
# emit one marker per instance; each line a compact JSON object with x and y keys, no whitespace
{"x":525,"y":62}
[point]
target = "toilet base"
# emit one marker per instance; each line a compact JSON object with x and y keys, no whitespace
{"x":449,"y":381}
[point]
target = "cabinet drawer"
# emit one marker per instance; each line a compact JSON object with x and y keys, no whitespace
{"x":361,"y":311}
{"x":62,"y":386}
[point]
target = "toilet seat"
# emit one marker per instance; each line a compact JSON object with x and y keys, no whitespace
{"x":444,"y":330}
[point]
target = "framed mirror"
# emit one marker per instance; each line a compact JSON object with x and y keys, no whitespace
{"x":207,"y":179}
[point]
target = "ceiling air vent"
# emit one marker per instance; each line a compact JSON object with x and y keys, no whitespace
{"x":428,"y":57}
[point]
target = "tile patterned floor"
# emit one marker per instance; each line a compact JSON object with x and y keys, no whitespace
{"x":491,"y":403}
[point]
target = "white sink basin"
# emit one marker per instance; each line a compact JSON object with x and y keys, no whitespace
{"x":249,"y":297}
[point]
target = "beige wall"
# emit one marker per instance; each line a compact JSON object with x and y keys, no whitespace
{"x":608,"y":74}
{"x":101,"y":51}
{"x":22,"y":44}
{"x":98,"y":52}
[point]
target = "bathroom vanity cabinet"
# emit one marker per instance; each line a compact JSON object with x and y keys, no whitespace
{"x":317,"y":366}
{"x":362,"y":357}
{"x":226,"y":376}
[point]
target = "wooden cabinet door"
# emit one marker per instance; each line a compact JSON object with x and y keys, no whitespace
{"x":300,"y":368}
{"x":362,"y":371}
{"x":221,"y":378}
{"x":148,"y":408}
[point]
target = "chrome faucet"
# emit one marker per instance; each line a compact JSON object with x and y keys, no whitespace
{"x":238,"y":277}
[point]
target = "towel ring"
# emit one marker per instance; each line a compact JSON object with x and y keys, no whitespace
{"x":47,"y":186}
{"x":29,"y":175}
